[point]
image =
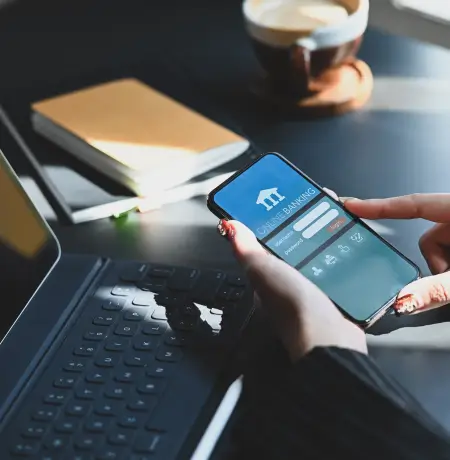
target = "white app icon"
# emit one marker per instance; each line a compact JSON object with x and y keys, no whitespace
{"x":269,"y":198}
{"x":317,"y":271}
{"x":343,"y":249}
{"x":357,"y":237}
{"x":330,"y":260}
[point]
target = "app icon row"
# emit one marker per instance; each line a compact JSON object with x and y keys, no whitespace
{"x":333,"y":255}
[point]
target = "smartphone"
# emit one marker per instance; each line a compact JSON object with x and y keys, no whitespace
{"x":297,"y":221}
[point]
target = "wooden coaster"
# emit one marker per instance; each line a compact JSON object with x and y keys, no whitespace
{"x":339,"y":90}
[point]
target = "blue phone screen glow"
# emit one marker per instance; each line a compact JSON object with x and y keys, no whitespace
{"x":307,"y":229}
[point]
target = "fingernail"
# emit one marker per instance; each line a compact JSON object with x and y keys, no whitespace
{"x":226,"y":229}
{"x":343,"y":199}
{"x":406,"y":304}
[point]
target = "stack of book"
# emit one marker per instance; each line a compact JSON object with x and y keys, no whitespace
{"x":141,"y":138}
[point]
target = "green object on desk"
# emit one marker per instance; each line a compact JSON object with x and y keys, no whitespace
{"x":123,"y":215}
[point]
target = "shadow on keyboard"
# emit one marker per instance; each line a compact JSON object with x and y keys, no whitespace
{"x":136,"y":367}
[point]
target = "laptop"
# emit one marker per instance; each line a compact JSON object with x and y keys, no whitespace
{"x":105,"y":359}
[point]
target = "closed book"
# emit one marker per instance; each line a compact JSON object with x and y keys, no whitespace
{"x":138,"y":136}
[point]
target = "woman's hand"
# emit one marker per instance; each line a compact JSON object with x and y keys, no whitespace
{"x":303,"y":315}
{"x":426,"y":293}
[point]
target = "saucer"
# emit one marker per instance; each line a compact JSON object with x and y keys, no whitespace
{"x":339,"y":90}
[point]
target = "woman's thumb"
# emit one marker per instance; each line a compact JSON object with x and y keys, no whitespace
{"x":424,"y":294}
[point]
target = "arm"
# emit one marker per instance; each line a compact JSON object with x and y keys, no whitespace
{"x":337,"y":403}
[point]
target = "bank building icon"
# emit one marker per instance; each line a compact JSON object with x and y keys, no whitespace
{"x":269,"y":198}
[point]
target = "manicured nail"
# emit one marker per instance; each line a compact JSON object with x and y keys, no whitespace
{"x":406,"y":305}
{"x":226,"y":229}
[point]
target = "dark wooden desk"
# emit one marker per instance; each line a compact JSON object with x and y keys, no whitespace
{"x":197,"y":51}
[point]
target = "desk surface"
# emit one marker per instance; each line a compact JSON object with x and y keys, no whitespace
{"x":198,"y":52}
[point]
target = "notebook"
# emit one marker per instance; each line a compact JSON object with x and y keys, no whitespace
{"x":138,"y":136}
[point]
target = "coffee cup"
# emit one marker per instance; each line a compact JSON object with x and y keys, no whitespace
{"x":298,"y":41}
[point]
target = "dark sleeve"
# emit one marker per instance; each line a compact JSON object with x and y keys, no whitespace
{"x":336,"y":403}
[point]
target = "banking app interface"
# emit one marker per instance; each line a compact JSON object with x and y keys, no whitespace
{"x":308,"y":230}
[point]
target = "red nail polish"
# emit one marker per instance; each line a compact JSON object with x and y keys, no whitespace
{"x":406,"y":304}
{"x":226,"y":229}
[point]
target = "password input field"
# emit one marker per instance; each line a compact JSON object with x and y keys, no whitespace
{"x":320,"y":224}
{"x":314,"y":214}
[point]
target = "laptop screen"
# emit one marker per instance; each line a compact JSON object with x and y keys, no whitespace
{"x":28,"y":248}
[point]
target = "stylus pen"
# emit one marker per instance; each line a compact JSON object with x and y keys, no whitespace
{"x":50,"y":192}
{"x":219,"y":421}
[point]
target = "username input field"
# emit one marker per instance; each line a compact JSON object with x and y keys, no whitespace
{"x":320,"y":223}
{"x":314,"y":214}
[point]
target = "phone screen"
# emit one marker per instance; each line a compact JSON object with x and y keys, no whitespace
{"x":295,"y":219}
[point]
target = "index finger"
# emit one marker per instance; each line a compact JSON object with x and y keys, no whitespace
{"x":430,"y":206}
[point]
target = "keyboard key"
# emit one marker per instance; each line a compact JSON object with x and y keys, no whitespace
{"x":143,"y":300}
{"x":55,"y":398}
{"x":34,"y":431}
{"x":117,"y":344}
{"x":85,"y":350}
{"x":75,"y":366}
{"x":176,"y":339}
{"x":141,"y":405}
{"x":225,"y":292}
{"x":155,"y":386}
{"x":152,"y":286}
{"x":121,"y":437}
{"x":143,"y":343}
{"x":135,"y":315}
{"x":126,"y":375}
{"x":25,"y":449}
{"x":161,"y":272}
{"x":126,"y":329}
{"x":107,"y":360}
{"x":190,"y":310}
{"x":148,"y":443}
{"x":56,"y":442}
{"x":107,"y":454}
{"x":79,"y":456}
{"x":236,"y":280}
{"x":122,"y":291}
{"x":108,"y":408}
{"x":84,"y":442}
{"x":183,"y":279}
{"x":154,"y":328}
{"x":45,"y":415}
{"x":236,"y":294}
{"x":77,"y":409}
{"x":208,"y":285}
{"x":131,"y":421}
{"x":157,"y":370}
{"x":115,"y":391}
{"x":170,"y":300}
{"x":106,"y":320}
{"x":65,"y":382}
{"x":98,"y":376}
{"x":87,"y":392}
{"x":170,"y":355}
{"x":66,"y":426}
{"x":185,"y":323}
{"x":160,"y":313}
{"x":136,"y":359}
{"x":134,"y":273}
{"x":95,"y":335}
{"x":113,"y":305}
{"x":96,"y":425}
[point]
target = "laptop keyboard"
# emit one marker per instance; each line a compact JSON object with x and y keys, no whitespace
{"x":135,"y":368}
